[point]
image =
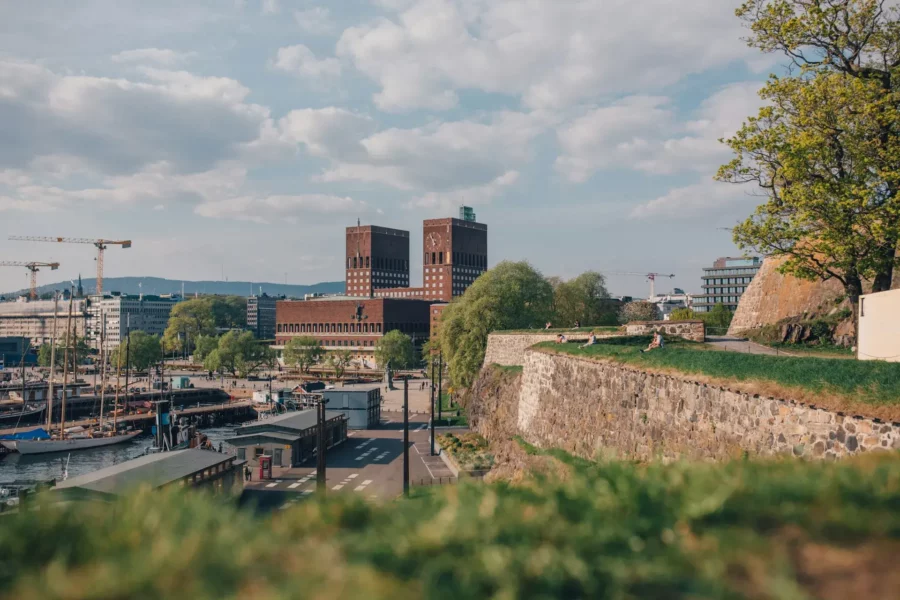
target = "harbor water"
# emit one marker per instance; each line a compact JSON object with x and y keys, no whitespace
{"x":45,"y":467}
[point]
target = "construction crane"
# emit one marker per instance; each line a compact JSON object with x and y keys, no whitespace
{"x":34,"y":267}
{"x":651,"y":277}
{"x":99,"y":244}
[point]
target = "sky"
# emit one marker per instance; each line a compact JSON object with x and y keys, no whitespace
{"x":238,"y":138}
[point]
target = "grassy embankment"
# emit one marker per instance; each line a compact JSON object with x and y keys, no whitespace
{"x":744,"y":529}
{"x":867,"y":387}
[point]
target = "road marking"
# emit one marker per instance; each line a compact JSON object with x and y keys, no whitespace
{"x":294,"y":485}
{"x":354,"y":476}
{"x":382,"y":455}
{"x":306,"y":492}
{"x":338,"y":486}
{"x":367,"y":482}
{"x":360,"y":488}
{"x":271,"y":485}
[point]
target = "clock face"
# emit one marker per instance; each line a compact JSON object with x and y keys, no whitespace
{"x":434,"y":240}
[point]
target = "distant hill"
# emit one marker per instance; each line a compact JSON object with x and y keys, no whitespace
{"x":158,"y":285}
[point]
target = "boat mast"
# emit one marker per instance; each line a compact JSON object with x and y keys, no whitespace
{"x":65,"y":390}
{"x":118,"y":370}
{"x":127,"y":352}
{"x":102,"y":369}
{"x":52,"y":363}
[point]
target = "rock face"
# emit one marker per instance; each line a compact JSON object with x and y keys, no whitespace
{"x":592,"y":408}
{"x":772,"y":297}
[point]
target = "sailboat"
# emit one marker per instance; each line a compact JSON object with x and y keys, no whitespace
{"x":74,"y":438}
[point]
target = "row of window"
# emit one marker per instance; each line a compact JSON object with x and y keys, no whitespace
{"x":724,"y":290}
{"x":717,"y":272}
{"x":388,"y":264}
{"x":347,"y":327}
{"x":718,"y":300}
{"x":459,"y":258}
{"x":727,"y":280}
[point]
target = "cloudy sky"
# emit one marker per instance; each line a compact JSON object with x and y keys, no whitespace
{"x":242,"y":136}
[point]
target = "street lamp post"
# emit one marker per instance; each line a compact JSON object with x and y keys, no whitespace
{"x":432,"y":405}
{"x":320,"y":465}
{"x":405,"y":436}
{"x":440,"y":383}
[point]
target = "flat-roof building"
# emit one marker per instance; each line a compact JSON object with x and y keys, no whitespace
{"x":261,"y":316}
{"x":33,"y":319}
{"x":181,"y":468}
{"x":725,"y":282}
{"x":289,"y":439}
{"x":126,"y":313}
{"x":361,"y":404}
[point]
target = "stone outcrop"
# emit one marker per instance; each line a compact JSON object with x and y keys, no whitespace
{"x":593,"y":408}
{"x":689,"y":330}
{"x":774,"y":298}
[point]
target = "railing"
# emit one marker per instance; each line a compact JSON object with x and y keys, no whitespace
{"x":434,"y":481}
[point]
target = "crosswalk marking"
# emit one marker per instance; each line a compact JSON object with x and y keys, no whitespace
{"x":338,"y":486}
{"x":271,"y":485}
{"x":360,"y":488}
{"x":294,"y":485}
{"x":306,"y":492}
{"x":367,"y":482}
{"x":354,"y":476}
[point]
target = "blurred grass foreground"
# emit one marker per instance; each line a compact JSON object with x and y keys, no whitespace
{"x":745,"y":529}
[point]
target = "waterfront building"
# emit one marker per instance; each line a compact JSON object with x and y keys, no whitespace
{"x":212,"y":471}
{"x":261,"y":316}
{"x":126,"y":313}
{"x":725,"y":282}
{"x":348,"y":323}
{"x":289,"y":439}
{"x":33,"y":319}
{"x":360,"y":404}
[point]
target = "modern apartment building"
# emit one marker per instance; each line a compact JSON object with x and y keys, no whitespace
{"x":124,"y":313}
{"x":725,"y":282}
{"x":261,"y":316}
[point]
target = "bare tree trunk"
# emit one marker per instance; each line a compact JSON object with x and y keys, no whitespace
{"x":885,"y":276}
{"x":853,"y":288}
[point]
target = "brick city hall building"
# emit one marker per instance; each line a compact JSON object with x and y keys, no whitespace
{"x":378,"y":298}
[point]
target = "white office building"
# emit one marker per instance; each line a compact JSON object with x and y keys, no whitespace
{"x":124,"y":313}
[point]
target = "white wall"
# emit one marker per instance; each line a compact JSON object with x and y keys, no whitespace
{"x":879,"y":326}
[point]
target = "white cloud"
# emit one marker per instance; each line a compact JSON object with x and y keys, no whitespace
{"x":437,"y":158}
{"x":705,"y":198}
{"x":642,"y":133}
{"x":300,"y":60}
{"x":160,"y":56}
{"x":551,"y":54}
{"x":315,"y":21}
{"x":472,"y":196}
{"x":282,"y":207}
{"x":270,"y":7}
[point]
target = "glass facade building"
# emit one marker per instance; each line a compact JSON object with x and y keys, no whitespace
{"x":725,"y":282}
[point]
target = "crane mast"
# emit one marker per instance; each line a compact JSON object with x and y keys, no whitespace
{"x":32,"y":266}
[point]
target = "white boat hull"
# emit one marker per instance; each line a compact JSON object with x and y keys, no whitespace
{"x":67,"y":445}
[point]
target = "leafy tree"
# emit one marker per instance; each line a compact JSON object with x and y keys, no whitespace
{"x":719,"y":317}
{"x":240,"y":354}
{"x":141,"y":348}
{"x":395,"y":348}
{"x":229,"y":312}
{"x":683,"y":314}
{"x":583,"y":299}
{"x":82,"y":350}
{"x":204,"y":346}
{"x":303,"y":352}
{"x":825,"y":150}
{"x":187,"y":322}
{"x":639,"y":311}
{"x":512,"y":295}
{"x":339,"y":360}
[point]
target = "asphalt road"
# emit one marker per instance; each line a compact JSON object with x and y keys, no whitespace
{"x":369,"y":463}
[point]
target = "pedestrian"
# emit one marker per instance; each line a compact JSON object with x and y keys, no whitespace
{"x":591,"y":341}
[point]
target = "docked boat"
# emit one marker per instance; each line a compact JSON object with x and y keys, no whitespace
{"x":26,"y":414}
{"x":70,"y":443}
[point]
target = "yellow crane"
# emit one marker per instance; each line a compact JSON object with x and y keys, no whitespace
{"x":34,"y":267}
{"x":99,"y":244}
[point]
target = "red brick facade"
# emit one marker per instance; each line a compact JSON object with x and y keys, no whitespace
{"x":436,"y":311}
{"x":455,"y":254}
{"x":377,"y":257}
{"x":333,"y":321}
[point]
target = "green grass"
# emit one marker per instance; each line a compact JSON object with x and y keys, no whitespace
{"x":553,"y":330}
{"x":469,"y":450}
{"x":869,"y":382}
{"x":609,"y":531}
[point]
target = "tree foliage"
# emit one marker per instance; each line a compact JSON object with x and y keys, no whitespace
{"x":583,"y":299}
{"x":303,"y":352}
{"x":825,"y":149}
{"x":229,"y":312}
{"x":240,"y":354}
{"x":396,"y":348}
{"x":141,"y":349}
{"x":188,"y":321}
{"x":719,"y":317}
{"x":683,"y":314}
{"x":339,"y":360}
{"x":639,"y":311}
{"x":81,"y":347}
{"x":204,"y":346}
{"x":512,"y":295}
